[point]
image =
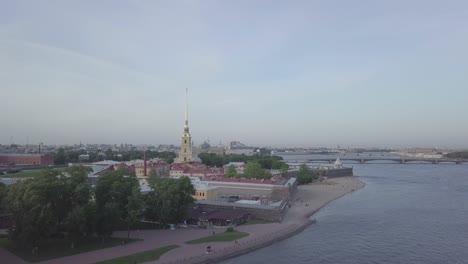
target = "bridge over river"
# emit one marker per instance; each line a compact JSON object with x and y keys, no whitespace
{"x":382,"y":160}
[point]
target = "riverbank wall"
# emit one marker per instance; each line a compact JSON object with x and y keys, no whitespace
{"x":290,"y":229}
{"x":334,"y":173}
{"x":274,"y":214}
{"x":245,"y":247}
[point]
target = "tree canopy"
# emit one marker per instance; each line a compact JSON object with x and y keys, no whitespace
{"x":69,"y":156}
{"x":231,"y":171}
{"x":265,"y":161}
{"x":305,"y":175}
{"x":57,"y":204}
{"x":44,"y":206}
{"x":169,"y":201}
{"x":255,"y":170}
{"x":457,"y":155}
{"x":118,"y":199}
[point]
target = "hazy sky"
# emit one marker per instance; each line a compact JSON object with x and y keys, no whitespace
{"x":302,"y":73}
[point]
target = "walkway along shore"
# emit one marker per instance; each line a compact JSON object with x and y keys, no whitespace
{"x":308,"y":201}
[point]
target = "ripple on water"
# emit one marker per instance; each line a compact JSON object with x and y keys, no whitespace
{"x":405,"y":214}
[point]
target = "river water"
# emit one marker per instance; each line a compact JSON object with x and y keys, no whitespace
{"x":407,"y":213}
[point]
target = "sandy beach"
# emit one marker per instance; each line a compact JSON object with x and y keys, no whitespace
{"x":308,"y":200}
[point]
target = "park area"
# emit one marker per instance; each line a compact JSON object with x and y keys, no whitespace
{"x":221,"y":237}
{"x":56,"y":248}
{"x":30,"y":173}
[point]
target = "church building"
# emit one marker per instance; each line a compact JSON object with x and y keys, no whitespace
{"x":185,"y":154}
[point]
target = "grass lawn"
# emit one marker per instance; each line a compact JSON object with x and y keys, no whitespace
{"x":226,"y":236}
{"x":28,"y":173}
{"x":257,"y":221}
{"x":141,"y":257}
{"x":57,"y":248}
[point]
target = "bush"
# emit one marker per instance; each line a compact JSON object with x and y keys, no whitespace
{"x":230,"y":229}
{"x":305,"y":175}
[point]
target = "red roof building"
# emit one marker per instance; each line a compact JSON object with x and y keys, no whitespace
{"x":26,"y":159}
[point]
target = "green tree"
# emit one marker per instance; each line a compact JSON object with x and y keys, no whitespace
{"x":153,"y":177}
{"x":76,"y":224}
{"x":114,"y":193}
{"x":170,"y":200}
{"x":77,"y":186}
{"x":255,"y":170}
{"x":305,"y":175}
{"x":109,"y":154}
{"x":284,"y":170}
{"x":60,"y":157}
{"x":107,"y":219}
{"x":49,"y":204}
{"x":231,"y":171}
{"x":133,"y":207}
{"x":37,"y":207}
{"x":3,"y":193}
{"x":457,"y":155}
{"x":79,"y":221}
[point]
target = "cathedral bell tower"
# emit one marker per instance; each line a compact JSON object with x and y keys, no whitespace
{"x":185,"y":154}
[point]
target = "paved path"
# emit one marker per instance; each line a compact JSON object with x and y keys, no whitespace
{"x":255,"y":231}
{"x":310,"y":198}
{"x":152,"y":239}
{"x":9,"y":258}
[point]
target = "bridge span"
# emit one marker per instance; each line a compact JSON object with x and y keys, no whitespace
{"x":381,"y":160}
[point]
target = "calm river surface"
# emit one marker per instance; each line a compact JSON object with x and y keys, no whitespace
{"x":407,"y":213}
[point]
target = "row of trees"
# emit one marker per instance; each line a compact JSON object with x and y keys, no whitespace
{"x":69,"y":156}
{"x":266,"y":161}
{"x":55,"y":204}
{"x":251,"y":170}
{"x":305,"y":175}
{"x":457,"y":155}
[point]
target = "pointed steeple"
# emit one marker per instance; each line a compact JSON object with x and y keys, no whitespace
{"x":185,"y":154}
{"x":186,"y":109}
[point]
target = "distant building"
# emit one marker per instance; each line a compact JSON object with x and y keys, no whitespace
{"x":267,"y":191}
{"x":83,"y":157}
{"x":212,"y":185}
{"x":185,"y":154}
{"x":26,"y":159}
{"x":236,"y":144}
{"x":158,"y":168}
{"x":202,"y":191}
{"x":240,"y":151}
{"x":217,"y":150}
{"x":101,"y":167}
{"x":216,"y":217}
{"x":236,"y":147}
{"x":194,"y":169}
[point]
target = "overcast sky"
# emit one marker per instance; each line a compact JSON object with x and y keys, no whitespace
{"x":301,"y":73}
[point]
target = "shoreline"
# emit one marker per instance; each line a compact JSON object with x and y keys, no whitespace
{"x":308,"y":200}
{"x":317,"y":195}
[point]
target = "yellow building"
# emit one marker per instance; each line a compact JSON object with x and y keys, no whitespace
{"x":206,"y":193}
{"x":142,"y":179}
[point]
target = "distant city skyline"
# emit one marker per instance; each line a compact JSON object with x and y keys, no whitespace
{"x":302,"y":74}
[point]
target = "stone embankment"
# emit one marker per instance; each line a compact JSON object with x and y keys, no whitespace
{"x":309,"y":200}
{"x":243,"y":247}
